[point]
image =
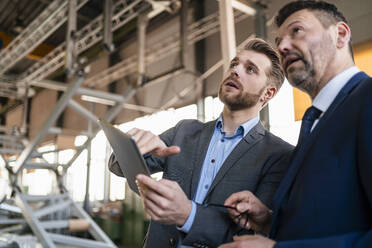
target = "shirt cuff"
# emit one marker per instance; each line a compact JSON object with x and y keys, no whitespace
{"x":190,"y":220}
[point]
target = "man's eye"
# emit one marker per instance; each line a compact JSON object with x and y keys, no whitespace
{"x":250,"y":69}
{"x":296,"y":30}
{"x":233,"y":64}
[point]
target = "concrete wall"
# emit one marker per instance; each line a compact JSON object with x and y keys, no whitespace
{"x":41,"y":107}
{"x":14,"y":117}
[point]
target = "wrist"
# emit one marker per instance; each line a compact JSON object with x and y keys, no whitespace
{"x":267,"y":224}
{"x":186,"y":213}
{"x":185,"y":228}
{"x":272,"y":245}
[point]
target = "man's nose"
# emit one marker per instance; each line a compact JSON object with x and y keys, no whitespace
{"x":284,"y":46}
{"x":234,"y":71}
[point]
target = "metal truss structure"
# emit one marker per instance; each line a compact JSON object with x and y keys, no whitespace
{"x":49,"y":216}
{"x":55,"y":214}
{"x":43,"y":26}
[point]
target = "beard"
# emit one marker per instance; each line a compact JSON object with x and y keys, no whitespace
{"x":303,"y":78}
{"x":243,"y":100}
{"x":307,"y":77}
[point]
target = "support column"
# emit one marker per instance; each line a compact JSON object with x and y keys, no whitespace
{"x":261,"y":32}
{"x":200,"y":63}
{"x":227,"y":23}
{"x":107,"y":29}
{"x":71,"y":53}
{"x":200,"y":108}
{"x":184,"y":53}
{"x":142,"y":25}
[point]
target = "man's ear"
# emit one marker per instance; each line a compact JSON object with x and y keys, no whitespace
{"x":269,"y":93}
{"x":343,"y":35}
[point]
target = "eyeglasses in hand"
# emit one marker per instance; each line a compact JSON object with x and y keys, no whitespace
{"x":238,"y":217}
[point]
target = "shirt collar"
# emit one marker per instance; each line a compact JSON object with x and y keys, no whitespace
{"x":243,"y":129}
{"x":329,"y":92}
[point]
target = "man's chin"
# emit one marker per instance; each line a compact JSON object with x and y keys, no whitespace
{"x":234,"y":105}
{"x":297,"y":78}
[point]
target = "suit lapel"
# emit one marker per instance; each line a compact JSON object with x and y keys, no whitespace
{"x":345,"y":91}
{"x":252,"y":137}
{"x":201,"y":151}
{"x":298,"y":155}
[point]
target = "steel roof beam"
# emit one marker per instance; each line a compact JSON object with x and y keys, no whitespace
{"x":35,"y":33}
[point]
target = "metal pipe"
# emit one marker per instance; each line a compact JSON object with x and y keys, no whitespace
{"x":38,"y":165}
{"x":52,"y":208}
{"x":86,"y":205}
{"x":51,"y":224}
{"x":25,"y":111}
{"x":83,"y":111}
{"x":53,"y":85}
{"x":79,"y":242}
{"x":67,"y":132}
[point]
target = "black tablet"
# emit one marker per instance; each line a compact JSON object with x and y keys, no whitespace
{"x":127,"y":154}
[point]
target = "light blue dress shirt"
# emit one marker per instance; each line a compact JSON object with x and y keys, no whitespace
{"x":219,"y":149}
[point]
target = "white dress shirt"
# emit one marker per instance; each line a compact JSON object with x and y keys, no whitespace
{"x":327,"y":95}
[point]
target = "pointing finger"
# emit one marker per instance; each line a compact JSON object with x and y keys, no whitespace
{"x":168,"y":151}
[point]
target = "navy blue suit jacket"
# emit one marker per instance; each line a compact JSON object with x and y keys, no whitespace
{"x":325,"y":198}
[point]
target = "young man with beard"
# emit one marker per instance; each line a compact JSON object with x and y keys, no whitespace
{"x":325,"y":198}
{"x":212,"y":160}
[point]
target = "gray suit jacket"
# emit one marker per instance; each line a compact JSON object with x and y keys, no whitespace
{"x":256,"y":164}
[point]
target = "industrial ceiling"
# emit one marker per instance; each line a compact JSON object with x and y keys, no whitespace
{"x":33,"y":35}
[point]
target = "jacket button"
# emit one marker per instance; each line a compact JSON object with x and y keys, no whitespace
{"x":172,"y":242}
